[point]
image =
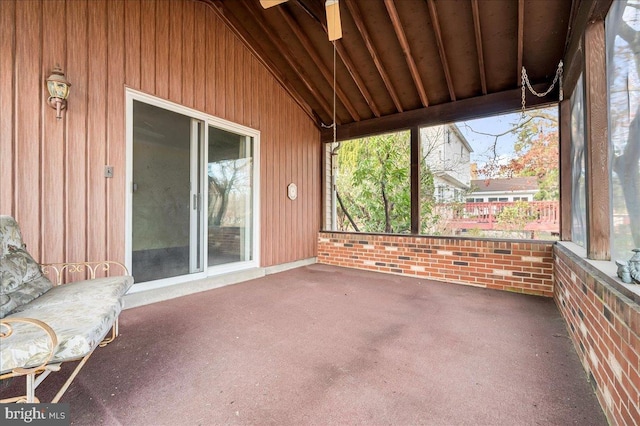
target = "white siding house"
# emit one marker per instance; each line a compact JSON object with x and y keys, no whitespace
{"x":447,"y":154}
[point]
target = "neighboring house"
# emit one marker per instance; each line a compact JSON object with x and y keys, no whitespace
{"x":447,"y":154}
{"x":503,"y":190}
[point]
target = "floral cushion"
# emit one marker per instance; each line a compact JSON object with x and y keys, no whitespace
{"x":21,"y":280}
{"x":80,"y":313}
{"x":80,"y":292}
{"x":9,"y":234}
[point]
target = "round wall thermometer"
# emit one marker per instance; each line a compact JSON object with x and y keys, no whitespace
{"x":292,"y":191}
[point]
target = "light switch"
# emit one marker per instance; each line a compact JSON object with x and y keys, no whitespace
{"x":108,"y":171}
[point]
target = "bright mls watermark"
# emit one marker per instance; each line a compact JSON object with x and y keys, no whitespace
{"x":35,"y":414}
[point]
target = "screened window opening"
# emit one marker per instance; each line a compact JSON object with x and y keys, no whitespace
{"x":509,"y":160}
{"x":623,"y":60}
{"x":373,"y":190}
{"x":578,"y":170}
{"x":503,"y":172}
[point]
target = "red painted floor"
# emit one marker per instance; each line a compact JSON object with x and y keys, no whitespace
{"x":322,"y":345}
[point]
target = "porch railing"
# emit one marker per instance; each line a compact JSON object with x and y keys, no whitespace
{"x":537,"y":215}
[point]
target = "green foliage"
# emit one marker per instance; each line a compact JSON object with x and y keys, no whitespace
{"x":373,"y":183}
{"x":549,"y":188}
{"x":429,"y":220}
{"x":374,"y":190}
{"x":516,"y":217}
{"x":475,"y":232}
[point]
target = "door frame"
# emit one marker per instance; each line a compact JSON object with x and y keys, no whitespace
{"x":208,"y":120}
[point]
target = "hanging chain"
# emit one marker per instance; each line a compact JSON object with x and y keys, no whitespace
{"x":523,"y":93}
{"x":527,"y":83}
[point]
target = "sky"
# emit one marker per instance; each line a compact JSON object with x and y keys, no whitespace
{"x":482,"y":144}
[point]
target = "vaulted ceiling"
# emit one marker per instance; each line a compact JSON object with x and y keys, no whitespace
{"x":399,"y":60}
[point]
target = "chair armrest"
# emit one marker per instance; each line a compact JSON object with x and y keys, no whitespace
{"x":6,"y":330}
{"x":59,"y":269}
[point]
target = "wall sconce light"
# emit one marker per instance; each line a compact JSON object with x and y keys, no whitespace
{"x":58,"y":87}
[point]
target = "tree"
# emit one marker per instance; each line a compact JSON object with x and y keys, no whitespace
{"x":536,"y":152}
{"x":373,"y":190}
{"x":373,"y":187}
{"x":224,"y":177}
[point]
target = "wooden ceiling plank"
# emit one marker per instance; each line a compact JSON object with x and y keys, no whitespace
{"x":433,"y":12}
{"x":314,"y":10}
{"x":520,"y":41}
{"x":476,"y":25}
{"x":250,"y":43}
{"x":315,"y":57}
{"x":466,"y":109}
{"x":353,"y":71}
{"x":288,"y":57}
{"x":357,"y":18}
{"x":406,"y":49}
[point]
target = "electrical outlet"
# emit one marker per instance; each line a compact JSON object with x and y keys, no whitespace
{"x":108,"y":171}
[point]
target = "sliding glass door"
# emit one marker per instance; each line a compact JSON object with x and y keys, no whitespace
{"x":192,"y":201}
{"x":166,"y":200}
{"x":230,"y":191}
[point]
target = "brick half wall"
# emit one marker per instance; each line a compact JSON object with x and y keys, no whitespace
{"x":511,"y":265}
{"x":603,"y":320}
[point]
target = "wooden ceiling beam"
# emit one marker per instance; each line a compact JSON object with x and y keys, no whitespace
{"x":509,"y":101}
{"x":314,"y":10}
{"x":406,"y":49}
{"x":357,"y":18}
{"x":478,"y":32}
{"x":315,"y":57}
{"x":520,"y":41}
{"x":250,"y":43}
{"x":288,"y":57}
{"x":433,"y":13}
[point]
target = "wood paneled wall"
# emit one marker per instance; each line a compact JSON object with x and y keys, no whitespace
{"x":52,"y":171}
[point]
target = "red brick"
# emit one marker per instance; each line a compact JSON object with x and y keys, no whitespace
{"x":628,"y":419}
{"x":632,"y":358}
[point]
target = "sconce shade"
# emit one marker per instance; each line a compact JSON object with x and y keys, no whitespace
{"x":57,"y":84}
{"x":58,"y":88}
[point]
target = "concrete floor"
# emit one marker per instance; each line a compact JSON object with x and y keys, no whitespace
{"x":321,"y":345}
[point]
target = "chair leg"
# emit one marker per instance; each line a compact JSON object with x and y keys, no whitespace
{"x":33,"y":382}
{"x":30,"y":396}
{"x":31,"y":388}
{"x":73,"y":375}
{"x":114,"y":334}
